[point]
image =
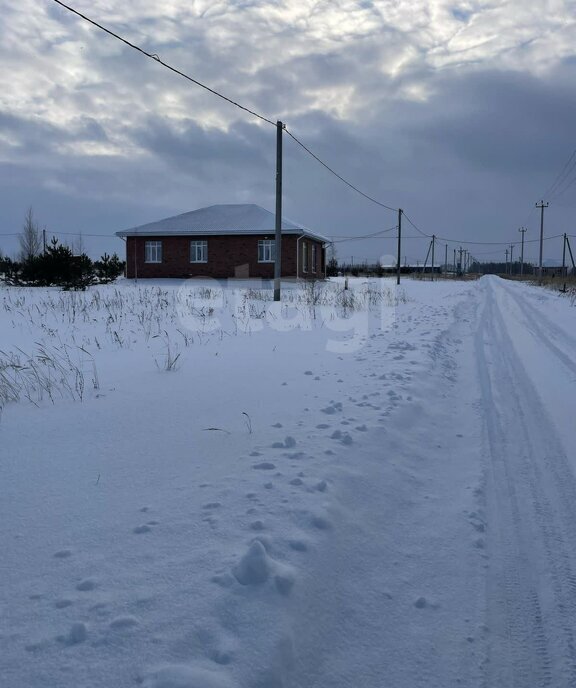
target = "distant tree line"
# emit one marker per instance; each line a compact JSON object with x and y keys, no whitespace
{"x":501,"y":268}
{"x":55,"y":264}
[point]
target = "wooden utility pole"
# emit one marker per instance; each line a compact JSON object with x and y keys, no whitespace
{"x":511,"y":259}
{"x":523,"y":230}
{"x":454,"y":263}
{"x":433,"y":247}
{"x":399,"y":245}
{"x":541,"y":205}
{"x":278,"y":235}
{"x":571,"y":255}
{"x":506,"y":267}
{"x":460,"y":260}
{"x":564,"y":255}
{"x":426,"y":259}
{"x":445,"y":258}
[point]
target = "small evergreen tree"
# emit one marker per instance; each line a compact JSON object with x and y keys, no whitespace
{"x":108,"y":268}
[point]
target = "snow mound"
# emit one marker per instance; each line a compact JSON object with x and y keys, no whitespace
{"x":182,"y":676}
{"x":254,"y":567}
{"x":77,"y":634}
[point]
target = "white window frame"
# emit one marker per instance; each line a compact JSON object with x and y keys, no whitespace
{"x":304,"y":257}
{"x":152,"y":251}
{"x":266,"y":250}
{"x":314,"y":257}
{"x":198,"y":251}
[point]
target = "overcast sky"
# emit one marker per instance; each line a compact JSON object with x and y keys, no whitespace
{"x":462,"y":113}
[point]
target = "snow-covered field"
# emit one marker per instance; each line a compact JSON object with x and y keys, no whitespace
{"x":367,"y":489}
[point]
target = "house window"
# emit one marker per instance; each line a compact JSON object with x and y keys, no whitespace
{"x":198,"y":251}
{"x":266,"y":251}
{"x":304,"y":257}
{"x":313,"y":257}
{"x":153,"y":252}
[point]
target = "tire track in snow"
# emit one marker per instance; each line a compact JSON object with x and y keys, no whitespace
{"x":541,"y":333}
{"x":533,"y":555}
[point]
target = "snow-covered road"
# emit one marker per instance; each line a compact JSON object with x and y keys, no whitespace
{"x":527,"y":373}
{"x":281,"y":513}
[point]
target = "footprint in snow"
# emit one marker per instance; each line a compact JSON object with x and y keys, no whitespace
{"x":77,"y":634}
{"x":87,"y":584}
{"x":320,"y":522}
{"x":140,"y":530}
{"x":62,"y":604}
{"x":63,"y":554}
{"x":288,"y":443}
{"x":342,"y":437}
{"x":184,"y":676}
{"x":298,"y":545}
{"x":123,"y":623}
{"x":264,"y":466}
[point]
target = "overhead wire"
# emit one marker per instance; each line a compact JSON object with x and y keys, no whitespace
{"x":340,"y":239}
{"x":561,"y":176}
{"x":342,"y":179}
{"x":156,"y":58}
{"x":560,"y":181}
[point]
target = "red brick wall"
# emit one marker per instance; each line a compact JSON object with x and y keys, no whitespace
{"x":228,"y":256}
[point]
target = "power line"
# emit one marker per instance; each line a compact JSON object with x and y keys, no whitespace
{"x":340,"y":239}
{"x":355,"y":188}
{"x":566,"y":184}
{"x":429,"y":236}
{"x":74,"y":234}
{"x":155,"y":57}
{"x":561,"y":177}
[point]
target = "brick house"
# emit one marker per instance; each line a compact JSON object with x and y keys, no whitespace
{"x":235,"y":240}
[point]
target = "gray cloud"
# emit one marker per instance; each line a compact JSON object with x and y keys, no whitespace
{"x":460,"y":111}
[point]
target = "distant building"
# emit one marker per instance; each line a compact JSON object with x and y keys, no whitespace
{"x":236,"y":240}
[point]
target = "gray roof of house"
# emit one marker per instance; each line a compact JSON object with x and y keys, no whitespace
{"x":241,"y":218}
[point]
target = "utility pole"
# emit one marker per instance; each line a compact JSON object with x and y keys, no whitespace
{"x":433,"y":246}
{"x":278,"y":235}
{"x":523,"y":230}
{"x":506,"y":268}
{"x":541,"y":205}
{"x":399,"y":245}
{"x":454,"y":264}
{"x":44,"y":240}
{"x":571,"y":255}
{"x":446,"y":258}
{"x":460,"y":260}
{"x":511,"y":259}
{"x":564,"y":255}
{"x":426,"y":260}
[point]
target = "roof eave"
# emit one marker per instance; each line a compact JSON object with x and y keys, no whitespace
{"x":215,"y":232}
